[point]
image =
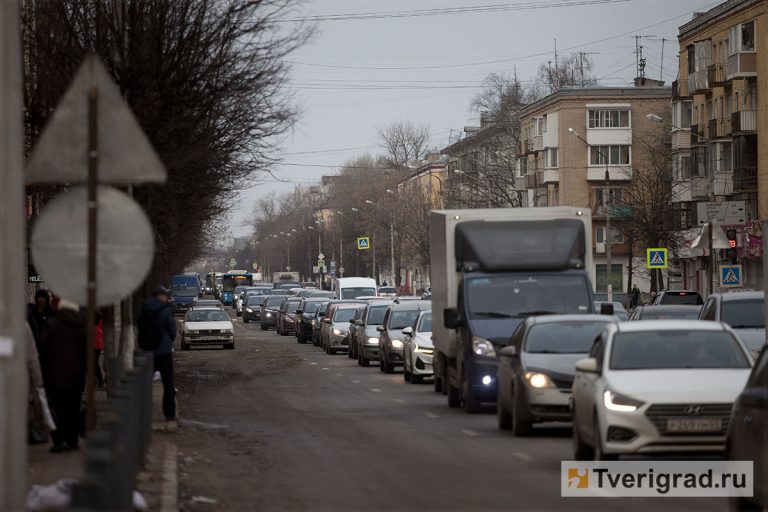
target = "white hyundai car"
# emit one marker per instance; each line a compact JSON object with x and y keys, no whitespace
{"x":657,"y":386}
{"x":207,"y":326}
{"x":418,"y":349}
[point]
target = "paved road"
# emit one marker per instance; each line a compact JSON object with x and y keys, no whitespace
{"x":280,"y":426}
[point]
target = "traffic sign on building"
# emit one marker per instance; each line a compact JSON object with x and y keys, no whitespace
{"x":730,"y":276}
{"x":727,"y":212}
{"x":657,"y":258}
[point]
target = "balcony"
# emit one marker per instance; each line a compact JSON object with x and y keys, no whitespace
{"x":698,"y":83}
{"x":741,"y":65}
{"x":681,"y":139}
{"x":615,"y":173}
{"x":716,"y":75}
{"x":551,"y":176}
{"x":723,"y":183}
{"x":538,"y":143}
{"x":680,"y":90}
{"x":745,"y":180}
{"x":744,"y":121}
{"x":718,"y":128}
{"x":699,"y":188}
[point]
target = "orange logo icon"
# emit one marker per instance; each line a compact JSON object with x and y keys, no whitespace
{"x":578,"y":480}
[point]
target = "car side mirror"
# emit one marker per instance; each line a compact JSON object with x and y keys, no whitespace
{"x":510,"y":351}
{"x":606,"y":309}
{"x":380,"y":328}
{"x":299,"y":311}
{"x":588,"y":365}
{"x":321,"y":314}
{"x":359,"y":323}
{"x":352,"y":322}
{"x":408,"y":331}
{"x":451,"y":319}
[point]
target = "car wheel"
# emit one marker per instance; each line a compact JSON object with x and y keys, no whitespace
{"x":264,"y":327}
{"x":364,"y":362}
{"x":438,"y":384}
{"x":471,"y":404}
{"x":406,"y":375}
{"x":239,"y":313}
{"x":381,"y":362}
{"x":416,"y":379}
{"x":599,"y":453}
{"x":230,"y":346}
{"x":503,"y":416}
{"x":246,"y":319}
{"x":520,"y":426}
{"x":389,"y":368}
{"x":350,"y":352}
{"x":184,"y":345}
{"x":453,"y":393}
{"x":581,"y":450}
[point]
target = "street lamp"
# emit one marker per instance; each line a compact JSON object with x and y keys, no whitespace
{"x":287,"y":249}
{"x":606,"y":207}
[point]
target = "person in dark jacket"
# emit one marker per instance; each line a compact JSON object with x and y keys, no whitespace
{"x":156,"y":306}
{"x":38,"y":314}
{"x":63,"y":355}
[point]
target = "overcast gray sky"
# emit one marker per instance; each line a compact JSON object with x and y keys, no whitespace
{"x":355,"y":75}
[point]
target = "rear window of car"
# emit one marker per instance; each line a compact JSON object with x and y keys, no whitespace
{"x":403,"y":319}
{"x":274,"y":300}
{"x":344,"y":315}
{"x":676,"y":349}
{"x":662,"y":313}
{"x":207,"y":315}
{"x":744,"y":314}
{"x":563,"y":337}
{"x":685,"y":298}
{"x":376,"y":315}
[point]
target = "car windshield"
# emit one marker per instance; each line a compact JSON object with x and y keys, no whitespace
{"x":403,"y":319}
{"x":274,"y":301}
{"x":425,"y":325}
{"x":686,"y":298}
{"x":508,"y":296}
{"x":744,"y":314}
{"x":311,"y":307}
{"x":353,"y":293}
{"x":676,"y":349}
{"x":252,"y":300}
{"x":663,"y":313}
{"x":291,"y":305}
{"x":344,"y":315}
{"x":563,"y":337}
{"x":387,"y":289}
{"x":376,"y":315}
{"x":183,"y":290}
{"x":207,"y":315}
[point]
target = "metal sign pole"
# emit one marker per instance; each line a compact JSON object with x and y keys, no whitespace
{"x":93,"y":162}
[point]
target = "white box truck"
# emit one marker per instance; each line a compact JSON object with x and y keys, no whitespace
{"x":492,"y":268}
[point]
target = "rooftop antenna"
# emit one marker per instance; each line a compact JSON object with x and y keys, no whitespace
{"x":638,"y":52}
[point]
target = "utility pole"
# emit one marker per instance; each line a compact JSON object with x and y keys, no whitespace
{"x":607,"y":206}
{"x":13,"y":371}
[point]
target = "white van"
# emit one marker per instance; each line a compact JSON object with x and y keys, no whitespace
{"x":353,"y":287}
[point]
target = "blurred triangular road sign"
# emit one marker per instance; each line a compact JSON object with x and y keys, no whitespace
{"x":125,"y":154}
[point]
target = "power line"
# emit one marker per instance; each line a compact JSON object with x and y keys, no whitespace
{"x":523,"y":6}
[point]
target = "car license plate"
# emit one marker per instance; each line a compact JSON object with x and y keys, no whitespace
{"x":694,"y":424}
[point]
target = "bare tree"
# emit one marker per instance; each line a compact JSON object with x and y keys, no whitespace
{"x":573,"y":70}
{"x":404,"y":141}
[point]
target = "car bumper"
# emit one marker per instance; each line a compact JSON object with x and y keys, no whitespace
{"x":269,"y":320}
{"x":422,"y":364}
{"x":393,"y":356}
{"x":340,"y":341}
{"x":551,"y":404}
{"x":369,"y":351}
{"x":211,"y":339}
{"x":476,"y":370}
{"x":649,"y":440}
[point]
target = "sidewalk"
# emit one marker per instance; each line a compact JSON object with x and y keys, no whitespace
{"x":158,"y":483}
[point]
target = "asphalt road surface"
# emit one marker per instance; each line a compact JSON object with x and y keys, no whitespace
{"x":274,"y":425}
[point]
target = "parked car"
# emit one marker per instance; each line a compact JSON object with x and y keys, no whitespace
{"x":240,"y":299}
{"x":286,"y":316}
{"x":657,"y":386}
{"x":535,"y":372}
{"x":201,"y":303}
{"x":334,"y":332}
{"x":743,"y":311}
{"x":618,"y":309}
{"x":387,"y":291}
{"x":237,"y":293}
{"x":366,"y":337}
{"x":252,"y":308}
{"x":270,"y":306}
{"x":354,"y":330}
{"x":306,"y":316}
{"x":398,"y":316}
{"x":418,"y":349}
{"x":207,"y":326}
{"x":427,"y":295}
{"x":747,"y":430}
{"x":665,"y":313}
{"x":680,"y":297}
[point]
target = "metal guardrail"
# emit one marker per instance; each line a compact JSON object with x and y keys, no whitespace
{"x":116,"y":447}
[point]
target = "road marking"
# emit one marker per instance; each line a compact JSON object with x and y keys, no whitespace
{"x":431,"y":415}
{"x":339,"y":374}
{"x":522,"y":456}
{"x":326,"y":368}
{"x":313,"y":364}
{"x":401,"y":401}
{"x":355,"y":382}
{"x":470,"y":433}
{"x":375,"y":390}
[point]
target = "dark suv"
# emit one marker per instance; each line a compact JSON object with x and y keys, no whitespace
{"x":308,"y":308}
{"x":398,"y":316}
{"x":678,"y":298}
{"x":270,"y":307}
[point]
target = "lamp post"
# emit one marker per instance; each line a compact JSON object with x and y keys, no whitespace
{"x":287,"y":248}
{"x":606,"y":208}
{"x":391,"y":237}
{"x":341,"y":245}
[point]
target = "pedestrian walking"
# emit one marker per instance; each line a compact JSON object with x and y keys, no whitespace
{"x":157,"y":331}
{"x":635,"y":297}
{"x":98,"y":348}
{"x":63,"y":355}
{"x":38,"y":314}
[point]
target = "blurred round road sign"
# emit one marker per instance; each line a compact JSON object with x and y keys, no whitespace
{"x":125,"y":245}
{"x":341,"y":270}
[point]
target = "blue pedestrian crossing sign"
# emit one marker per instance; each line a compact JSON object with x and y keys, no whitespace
{"x":363,"y":243}
{"x":730,"y":276}
{"x":657,"y":258}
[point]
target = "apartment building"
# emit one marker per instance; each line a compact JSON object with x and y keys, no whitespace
{"x":560,"y":167}
{"x":427,"y":180}
{"x":719,"y":115}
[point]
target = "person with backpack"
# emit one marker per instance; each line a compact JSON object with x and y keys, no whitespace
{"x":157,"y":330}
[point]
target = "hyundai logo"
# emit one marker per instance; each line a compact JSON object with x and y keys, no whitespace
{"x":693,"y":410}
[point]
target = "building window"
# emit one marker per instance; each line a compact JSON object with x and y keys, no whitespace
{"x":617,"y":237}
{"x":617,"y":278}
{"x":741,"y":38}
{"x":609,"y":155}
{"x":538,"y":126}
{"x":604,"y":118}
{"x":615,"y":196}
{"x":523,"y":166}
{"x":551,"y":161}
{"x":691,"y":59}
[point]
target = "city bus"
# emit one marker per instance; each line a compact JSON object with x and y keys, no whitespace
{"x":232,"y":279}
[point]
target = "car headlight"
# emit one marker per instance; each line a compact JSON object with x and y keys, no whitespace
{"x":337,"y":332}
{"x":620,"y":403}
{"x":268,"y":315}
{"x":249,"y":310}
{"x":482,"y":347}
{"x":227,"y":331}
{"x":397,"y":344}
{"x":314,"y":322}
{"x":373,"y":341}
{"x":422,"y":350}
{"x":538,"y":380}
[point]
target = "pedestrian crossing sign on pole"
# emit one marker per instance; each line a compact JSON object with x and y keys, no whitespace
{"x":657,"y":258}
{"x":363,"y":243}
{"x":730,"y":276}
